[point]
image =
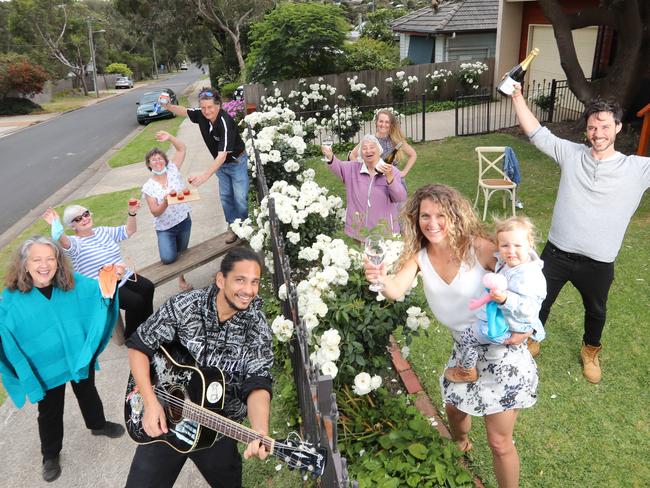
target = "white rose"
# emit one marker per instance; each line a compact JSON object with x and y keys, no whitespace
{"x":330,"y":337}
{"x":375,"y":382}
{"x":412,"y":323}
{"x":413,"y":311}
{"x":330,"y":353}
{"x":329,"y":369}
{"x":362,"y":384}
{"x":257,"y":242}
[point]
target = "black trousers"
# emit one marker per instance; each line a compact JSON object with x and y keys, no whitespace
{"x":136,"y":299}
{"x":157,"y":465}
{"x":591,"y":278}
{"x":50,"y":413}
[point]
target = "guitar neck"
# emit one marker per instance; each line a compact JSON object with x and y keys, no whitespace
{"x":225,"y":426}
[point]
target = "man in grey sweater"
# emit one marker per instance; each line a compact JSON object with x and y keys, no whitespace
{"x":600,"y":189}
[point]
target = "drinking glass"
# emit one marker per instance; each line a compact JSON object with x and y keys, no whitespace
{"x":328,"y":141}
{"x":376,"y":251}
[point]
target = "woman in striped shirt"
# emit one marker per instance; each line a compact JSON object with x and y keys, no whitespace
{"x":92,"y":247}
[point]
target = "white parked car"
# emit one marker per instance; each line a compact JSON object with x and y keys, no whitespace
{"x":184,"y":65}
{"x":123,"y":82}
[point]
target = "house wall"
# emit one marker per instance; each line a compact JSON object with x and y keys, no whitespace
{"x":508,"y":38}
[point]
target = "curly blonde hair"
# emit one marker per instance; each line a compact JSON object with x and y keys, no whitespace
{"x":18,"y":278}
{"x":517,"y":223}
{"x":462,"y":224}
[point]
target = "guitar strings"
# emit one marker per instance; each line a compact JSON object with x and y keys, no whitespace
{"x":208,"y":415}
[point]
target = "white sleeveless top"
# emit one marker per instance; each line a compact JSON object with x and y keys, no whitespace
{"x":450,"y":302}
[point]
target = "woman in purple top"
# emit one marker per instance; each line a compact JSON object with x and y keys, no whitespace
{"x":373,"y":189}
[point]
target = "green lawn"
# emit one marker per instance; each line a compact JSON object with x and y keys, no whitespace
{"x":135,"y":149}
{"x":578,"y":434}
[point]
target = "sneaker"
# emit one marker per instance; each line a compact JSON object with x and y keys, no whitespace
{"x":110,"y":429}
{"x":231,"y":237}
{"x":51,"y":469}
{"x":458,"y":374}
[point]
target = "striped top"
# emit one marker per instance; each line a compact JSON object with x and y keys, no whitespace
{"x":89,"y":253}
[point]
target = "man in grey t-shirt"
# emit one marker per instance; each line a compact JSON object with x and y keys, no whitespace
{"x":599,"y":191}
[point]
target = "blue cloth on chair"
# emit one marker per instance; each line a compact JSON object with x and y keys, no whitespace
{"x":511,"y":166}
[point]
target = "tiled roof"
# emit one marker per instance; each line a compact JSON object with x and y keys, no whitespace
{"x":451,"y":16}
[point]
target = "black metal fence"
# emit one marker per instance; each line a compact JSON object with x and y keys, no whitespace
{"x":412,"y":120}
{"x":316,"y":397}
{"x":487,"y":111}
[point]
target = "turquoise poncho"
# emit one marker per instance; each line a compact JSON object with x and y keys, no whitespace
{"x":46,"y":343}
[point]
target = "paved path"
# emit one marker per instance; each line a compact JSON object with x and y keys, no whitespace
{"x":95,"y":461}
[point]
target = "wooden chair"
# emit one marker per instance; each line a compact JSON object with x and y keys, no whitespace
{"x":491,"y":177}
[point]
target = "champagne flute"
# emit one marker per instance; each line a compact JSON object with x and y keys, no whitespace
{"x":376,"y":251}
{"x":328,"y":141}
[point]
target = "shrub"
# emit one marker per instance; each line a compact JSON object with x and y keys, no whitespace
{"x":18,"y":74}
{"x":227,"y":89}
{"x":17,"y":106}
{"x":394,"y":445}
{"x":470,"y":74}
{"x":119,"y":68}
{"x":368,"y":54}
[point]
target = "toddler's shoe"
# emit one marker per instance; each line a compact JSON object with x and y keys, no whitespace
{"x":458,"y":374}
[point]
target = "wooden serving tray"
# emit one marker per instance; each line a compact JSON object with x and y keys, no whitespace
{"x":193,"y":196}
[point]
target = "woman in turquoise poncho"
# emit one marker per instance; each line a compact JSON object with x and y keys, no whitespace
{"x":53,"y":325}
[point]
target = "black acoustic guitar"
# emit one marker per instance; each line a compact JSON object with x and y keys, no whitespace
{"x":192,"y":399}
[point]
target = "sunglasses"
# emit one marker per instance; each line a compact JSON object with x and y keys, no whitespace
{"x":206,"y":94}
{"x":84,"y":215}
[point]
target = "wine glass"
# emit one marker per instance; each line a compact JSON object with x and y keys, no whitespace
{"x":376,"y":251}
{"x":328,"y":141}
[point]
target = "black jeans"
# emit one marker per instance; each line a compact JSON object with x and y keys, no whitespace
{"x":50,"y":413}
{"x":157,"y":465}
{"x":136,"y":299}
{"x":590,"y":277}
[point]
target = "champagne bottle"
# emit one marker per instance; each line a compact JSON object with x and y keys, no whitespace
{"x":390,"y":159}
{"x":516,"y":75}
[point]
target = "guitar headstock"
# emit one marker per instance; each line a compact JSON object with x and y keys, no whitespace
{"x":301,"y":455}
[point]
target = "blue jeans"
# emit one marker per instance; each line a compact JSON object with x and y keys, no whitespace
{"x":233,"y":189}
{"x":174,"y":240}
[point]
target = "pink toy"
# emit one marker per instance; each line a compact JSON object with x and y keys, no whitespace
{"x":491,"y":281}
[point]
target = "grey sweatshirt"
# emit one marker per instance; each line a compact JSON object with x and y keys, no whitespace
{"x":595,"y":199}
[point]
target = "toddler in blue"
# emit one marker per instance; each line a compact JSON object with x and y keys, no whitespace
{"x":517,"y":307}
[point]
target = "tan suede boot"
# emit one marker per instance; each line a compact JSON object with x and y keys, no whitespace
{"x":590,"y":362}
{"x":534,"y":347}
{"x":458,"y":374}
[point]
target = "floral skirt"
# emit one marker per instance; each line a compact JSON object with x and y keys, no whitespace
{"x":507,"y":379}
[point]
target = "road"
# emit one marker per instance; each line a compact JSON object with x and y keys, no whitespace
{"x":38,"y":161}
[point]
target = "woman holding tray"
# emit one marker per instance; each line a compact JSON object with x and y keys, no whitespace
{"x":173,"y":222}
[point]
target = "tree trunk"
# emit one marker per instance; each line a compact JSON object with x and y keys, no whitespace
{"x":627,"y":20}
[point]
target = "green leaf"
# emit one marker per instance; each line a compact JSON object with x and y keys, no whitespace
{"x":418,"y":451}
{"x":413,"y":480}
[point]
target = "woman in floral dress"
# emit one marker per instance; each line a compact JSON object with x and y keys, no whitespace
{"x":444,"y":240}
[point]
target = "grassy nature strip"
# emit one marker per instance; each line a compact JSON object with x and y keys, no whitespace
{"x":578,"y":434}
{"x":134,"y":150}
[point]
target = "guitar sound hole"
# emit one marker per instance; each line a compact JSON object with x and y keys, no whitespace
{"x":174,"y":407}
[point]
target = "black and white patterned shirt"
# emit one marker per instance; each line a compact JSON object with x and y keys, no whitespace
{"x":241,"y":346}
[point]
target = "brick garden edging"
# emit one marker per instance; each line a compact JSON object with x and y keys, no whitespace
{"x":422,"y":401}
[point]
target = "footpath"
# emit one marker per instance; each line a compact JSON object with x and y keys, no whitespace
{"x":100,"y":462}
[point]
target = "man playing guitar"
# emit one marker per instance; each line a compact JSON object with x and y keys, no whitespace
{"x":221,"y":326}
